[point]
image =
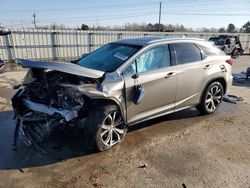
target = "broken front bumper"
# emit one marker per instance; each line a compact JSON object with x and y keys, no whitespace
{"x":39,"y":121}
{"x":67,"y":115}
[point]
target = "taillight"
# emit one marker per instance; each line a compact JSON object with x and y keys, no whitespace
{"x":230,"y":61}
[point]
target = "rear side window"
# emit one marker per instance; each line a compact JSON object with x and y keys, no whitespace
{"x":213,"y":50}
{"x":186,"y":53}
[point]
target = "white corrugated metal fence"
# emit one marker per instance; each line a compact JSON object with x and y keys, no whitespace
{"x":71,"y":44}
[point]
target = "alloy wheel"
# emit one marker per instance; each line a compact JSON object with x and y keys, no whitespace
{"x":112,"y":129}
{"x":213,"y":98}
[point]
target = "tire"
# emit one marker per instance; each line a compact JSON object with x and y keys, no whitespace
{"x":236,"y":54}
{"x":104,"y":127}
{"x":3,"y":68}
{"x":211,"y":98}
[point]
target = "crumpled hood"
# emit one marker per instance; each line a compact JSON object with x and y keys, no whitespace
{"x":62,"y":67}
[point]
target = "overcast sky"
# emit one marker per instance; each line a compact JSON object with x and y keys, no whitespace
{"x":190,"y":13}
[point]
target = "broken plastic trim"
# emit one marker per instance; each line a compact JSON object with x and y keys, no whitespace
{"x":232,"y":98}
{"x":66,"y":114}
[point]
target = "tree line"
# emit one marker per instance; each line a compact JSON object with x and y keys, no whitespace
{"x":169,"y":28}
{"x":231,"y":28}
{"x":150,"y":27}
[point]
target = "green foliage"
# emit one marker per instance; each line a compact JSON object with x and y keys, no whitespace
{"x":84,"y":27}
{"x":246,"y":27}
{"x":222,"y":30}
{"x":231,"y":28}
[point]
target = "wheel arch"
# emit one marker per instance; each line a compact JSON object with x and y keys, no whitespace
{"x":218,"y":79}
{"x":111,"y":101}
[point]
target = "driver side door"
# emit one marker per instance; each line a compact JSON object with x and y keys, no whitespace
{"x":158,"y":79}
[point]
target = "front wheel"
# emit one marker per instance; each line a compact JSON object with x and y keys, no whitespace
{"x":105,"y":127}
{"x":211,"y":98}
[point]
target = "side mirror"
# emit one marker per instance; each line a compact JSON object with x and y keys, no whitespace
{"x":138,"y":95}
{"x":138,"y":90}
{"x":135,"y":76}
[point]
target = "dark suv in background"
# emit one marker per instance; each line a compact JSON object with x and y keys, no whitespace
{"x":2,"y":66}
{"x":230,"y":44}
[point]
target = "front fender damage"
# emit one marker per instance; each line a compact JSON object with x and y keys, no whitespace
{"x":111,"y":89}
{"x":43,"y":105}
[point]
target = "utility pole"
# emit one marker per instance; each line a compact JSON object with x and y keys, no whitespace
{"x":159,"y":17}
{"x":11,"y":23}
{"x":34,"y":19}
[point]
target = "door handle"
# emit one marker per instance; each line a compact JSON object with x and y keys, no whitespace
{"x":208,"y":66}
{"x":169,"y":75}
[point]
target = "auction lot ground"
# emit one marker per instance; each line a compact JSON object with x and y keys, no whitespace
{"x":179,"y":150}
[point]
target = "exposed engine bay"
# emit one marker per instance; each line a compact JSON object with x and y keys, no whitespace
{"x":46,"y":100}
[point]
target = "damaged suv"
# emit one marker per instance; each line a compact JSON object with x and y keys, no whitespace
{"x":120,"y":84}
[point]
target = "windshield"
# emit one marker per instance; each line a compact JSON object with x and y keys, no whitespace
{"x":218,"y":41}
{"x":109,"y":57}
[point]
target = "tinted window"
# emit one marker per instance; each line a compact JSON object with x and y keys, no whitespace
{"x":109,"y":57}
{"x":186,"y":53}
{"x":219,"y":51}
{"x":155,"y":58}
{"x":214,"y":50}
{"x":207,"y":51}
{"x":218,"y":41}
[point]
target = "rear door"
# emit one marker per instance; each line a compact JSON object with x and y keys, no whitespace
{"x":158,"y":80}
{"x":192,"y":73}
{"x":229,"y":45}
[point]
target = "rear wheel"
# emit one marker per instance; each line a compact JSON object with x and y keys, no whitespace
{"x":3,"y":68}
{"x":211,"y":98}
{"x":236,"y":53}
{"x":105,"y":127}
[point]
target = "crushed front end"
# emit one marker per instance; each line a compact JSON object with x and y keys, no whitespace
{"x":47,"y":100}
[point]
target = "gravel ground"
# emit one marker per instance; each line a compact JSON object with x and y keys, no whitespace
{"x":177,"y":150}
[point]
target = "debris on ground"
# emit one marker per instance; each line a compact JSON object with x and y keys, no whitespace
{"x":21,"y":170}
{"x":143,"y":166}
{"x":232,"y":98}
{"x":248,"y":72}
{"x":184,"y":186}
{"x":239,"y":77}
